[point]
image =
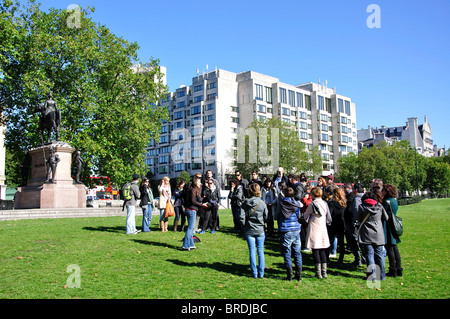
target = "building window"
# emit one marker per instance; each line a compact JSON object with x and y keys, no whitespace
{"x":302,"y":115}
{"x":181,"y":104}
{"x":210,"y":107}
{"x":163,"y":139}
{"x":261,"y":108}
{"x":196,"y":110}
{"x":283,"y":98}
{"x":325,"y":127}
{"x":259,"y":92}
{"x":211,"y":96}
{"x":198,"y":98}
{"x":320,"y":103}
{"x":181,"y":93}
{"x":198,"y":88}
{"x":286,"y":111}
{"x":303,"y":135}
{"x":178,"y":115}
{"x":324,"y":137}
{"x":291,"y":98}
{"x":195,"y":120}
{"x":303,"y":125}
{"x":347,"y":108}
{"x":268,"y":94}
{"x":209,"y":118}
{"x":308,"y":102}
{"x":341,"y":105}
{"x":299,"y":99}
{"x":212,"y":85}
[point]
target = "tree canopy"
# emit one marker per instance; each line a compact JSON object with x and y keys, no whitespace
{"x":109,"y":110}
{"x":272,"y":142}
{"x":396,"y":164}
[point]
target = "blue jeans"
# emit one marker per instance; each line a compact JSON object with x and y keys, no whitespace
{"x":375,"y":256}
{"x":131,"y":219}
{"x":146,"y":217}
{"x":188,"y":241}
{"x":257,"y":241}
{"x":290,"y":241}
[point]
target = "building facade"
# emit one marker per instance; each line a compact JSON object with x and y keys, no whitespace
{"x":207,"y":115}
{"x":419,"y":136}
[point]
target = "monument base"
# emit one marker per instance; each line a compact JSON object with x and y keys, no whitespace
{"x":62,"y":192}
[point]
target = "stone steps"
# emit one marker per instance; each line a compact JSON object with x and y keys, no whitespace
{"x":62,"y":213}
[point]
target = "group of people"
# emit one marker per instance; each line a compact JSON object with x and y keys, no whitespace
{"x":319,"y":218}
{"x":198,"y":203}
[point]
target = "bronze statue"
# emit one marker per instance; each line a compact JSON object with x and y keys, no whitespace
{"x":49,"y":119}
{"x":52,"y":161}
{"x":79,"y":164}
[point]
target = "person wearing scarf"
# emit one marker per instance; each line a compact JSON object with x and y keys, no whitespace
{"x":289,"y":229}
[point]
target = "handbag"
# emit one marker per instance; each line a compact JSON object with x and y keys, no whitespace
{"x":396,"y":222}
{"x":170,"y":211}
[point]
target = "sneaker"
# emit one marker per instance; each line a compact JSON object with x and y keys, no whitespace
{"x":213,"y":231}
{"x":202,"y":232}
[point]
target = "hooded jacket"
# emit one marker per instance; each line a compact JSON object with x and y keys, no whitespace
{"x":252,"y":216}
{"x":289,"y":214}
{"x":372,"y":232}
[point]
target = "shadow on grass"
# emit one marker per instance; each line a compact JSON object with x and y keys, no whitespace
{"x":111,"y":229}
{"x":228,"y":267}
{"x":155,"y":243}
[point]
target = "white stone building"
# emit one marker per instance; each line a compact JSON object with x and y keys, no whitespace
{"x":221,"y":102}
{"x":419,"y":136}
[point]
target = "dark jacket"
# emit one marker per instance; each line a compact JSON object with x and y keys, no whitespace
{"x":348,"y":217}
{"x":289,"y":214}
{"x":193,"y":200}
{"x":299,"y":191}
{"x":337,"y":215}
{"x":179,"y":197}
{"x":253,"y":213}
{"x":236,"y":196}
{"x":146,"y":196}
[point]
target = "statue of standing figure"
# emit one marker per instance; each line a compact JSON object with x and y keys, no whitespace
{"x":49,"y":119}
{"x":52,"y":161}
{"x":79,"y":164}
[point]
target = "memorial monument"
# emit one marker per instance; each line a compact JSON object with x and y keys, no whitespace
{"x":50,"y":184}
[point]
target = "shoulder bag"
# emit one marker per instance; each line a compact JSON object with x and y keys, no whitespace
{"x":396,"y":222}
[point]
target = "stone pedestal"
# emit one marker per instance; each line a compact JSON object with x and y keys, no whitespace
{"x":62,"y":192}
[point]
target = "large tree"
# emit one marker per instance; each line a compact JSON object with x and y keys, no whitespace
{"x":109,"y":110}
{"x":273,"y":142}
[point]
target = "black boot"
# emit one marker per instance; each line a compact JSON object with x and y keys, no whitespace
{"x":392,"y":272}
{"x":298,"y":273}
{"x":400,"y":272}
{"x":289,"y":274}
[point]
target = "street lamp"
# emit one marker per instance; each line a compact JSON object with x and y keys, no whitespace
{"x":417,"y":176}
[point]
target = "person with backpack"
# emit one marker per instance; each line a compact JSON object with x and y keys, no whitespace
{"x":131,"y":194}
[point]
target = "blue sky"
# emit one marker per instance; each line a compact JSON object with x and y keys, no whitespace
{"x":397,"y":71}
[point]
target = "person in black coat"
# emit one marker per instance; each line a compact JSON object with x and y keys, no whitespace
{"x":337,"y":206}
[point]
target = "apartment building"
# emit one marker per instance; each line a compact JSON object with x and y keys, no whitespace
{"x":207,"y":114}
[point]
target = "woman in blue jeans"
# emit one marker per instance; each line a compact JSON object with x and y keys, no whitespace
{"x":146,"y":204}
{"x":193,"y":202}
{"x":371,"y":215}
{"x":289,"y":229}
{"x":253,"y":213}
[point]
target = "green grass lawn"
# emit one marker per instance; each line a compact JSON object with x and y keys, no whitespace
{"x":35,"y":255}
